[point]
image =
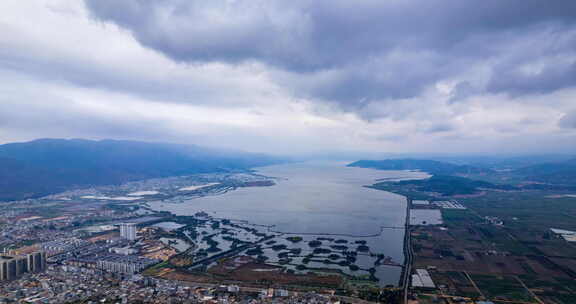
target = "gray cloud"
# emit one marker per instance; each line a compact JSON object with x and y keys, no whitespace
{"x":568,"y":120}
{"x":308,"y":34}
{"x":440,"y":128}
{"x":370,"y":50}
{"x":550,"y":78}
{"x":463,"y":90}
{"x":162,"y":84}
{"x":391,"y":76}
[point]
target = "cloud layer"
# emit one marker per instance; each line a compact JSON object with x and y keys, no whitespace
{"x":293,"y":76}
{"x":350,"y":52}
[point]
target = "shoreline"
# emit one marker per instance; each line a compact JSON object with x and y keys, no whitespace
{"x":407,"y":268}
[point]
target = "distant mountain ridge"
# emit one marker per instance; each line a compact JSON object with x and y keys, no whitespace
{"x":563,"y":172}
{"x":453,"y":179}
{"x":430,"y":166}
{"x":46,"y":166}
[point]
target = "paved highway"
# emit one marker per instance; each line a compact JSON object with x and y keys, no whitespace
{"x":408,"y":253}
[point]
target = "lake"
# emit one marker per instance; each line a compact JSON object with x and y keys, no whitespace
{"x":317,"y":198}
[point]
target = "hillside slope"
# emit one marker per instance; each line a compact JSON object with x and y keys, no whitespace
{"x":430,"y":166}
{"x":45,"y":166}
{"x":554,"y":173}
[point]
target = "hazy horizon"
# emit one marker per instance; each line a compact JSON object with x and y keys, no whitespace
{"x":349,"y":155}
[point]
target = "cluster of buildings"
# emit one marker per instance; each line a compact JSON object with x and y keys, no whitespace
{"x":453,"y":204}
{"x":567,"y":235}
{"x":62,"y":245}
{"x":420,"y":203}
{"x":68,"y":284}
{"x":14,"y":266}
{"x":22,"y":225}
{"x":127,"y":264}
{"x":128,"y":231}
{"x":422,"y":279}
{"x":494,"y":220}
{"x":116,"y":254}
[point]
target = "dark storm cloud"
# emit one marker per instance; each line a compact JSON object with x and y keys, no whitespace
{"x":372,"y":49}
{"x":439,"y":128}
{"x":355,"y":85}
{"x":314,"y":34}
{"x":550,"y":78}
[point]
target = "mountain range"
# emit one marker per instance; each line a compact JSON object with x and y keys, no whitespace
{"x":46,"y":166}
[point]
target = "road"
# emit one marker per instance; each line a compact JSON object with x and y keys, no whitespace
{"x":529,"y":291}
{"x":474,"y":284}
{"x":408,"y":253}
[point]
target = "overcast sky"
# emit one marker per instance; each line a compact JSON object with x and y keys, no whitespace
{"x":297,"y":76}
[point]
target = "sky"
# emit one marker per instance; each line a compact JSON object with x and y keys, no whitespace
{"x":293,"y":77}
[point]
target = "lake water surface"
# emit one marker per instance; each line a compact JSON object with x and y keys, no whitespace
{"x":317,"y":198}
